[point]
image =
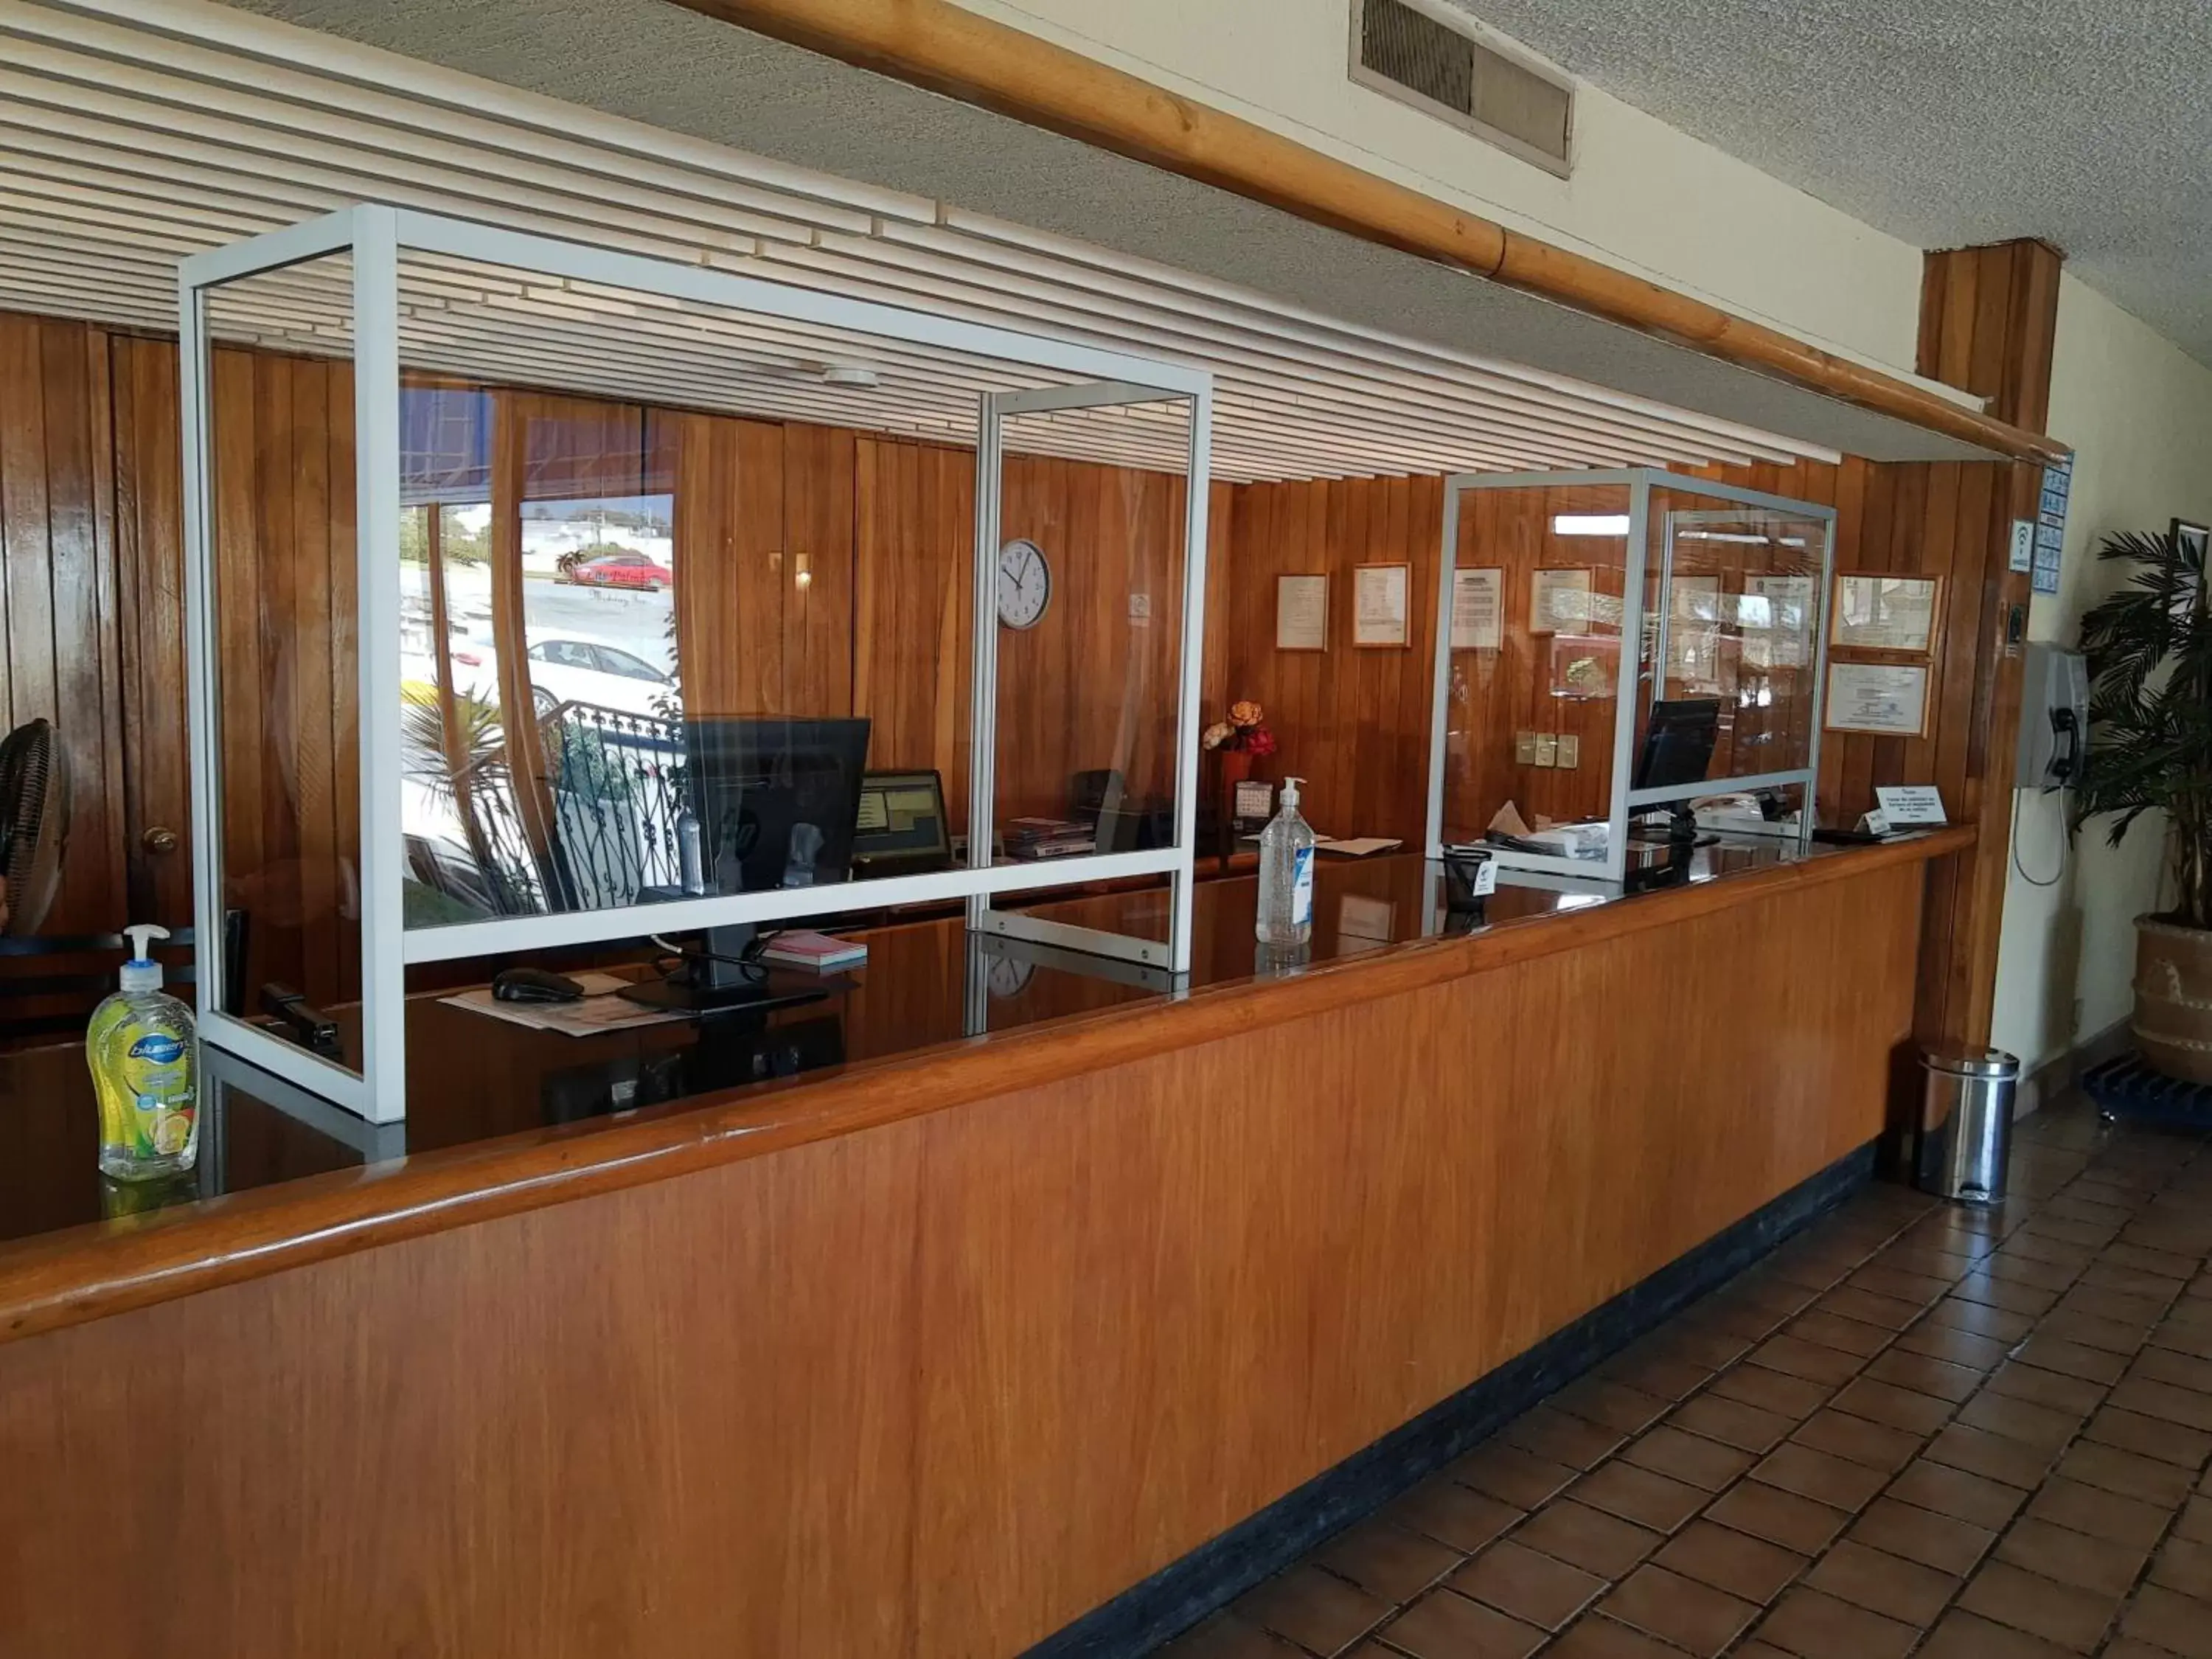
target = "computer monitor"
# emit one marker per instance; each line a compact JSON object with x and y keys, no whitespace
{"x":776,"y":799}
{"x":775,"y":802}
{"x":1678,"y":750}
{"x":902,"y":829}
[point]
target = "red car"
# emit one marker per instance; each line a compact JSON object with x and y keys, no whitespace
{"x":624,"y":570}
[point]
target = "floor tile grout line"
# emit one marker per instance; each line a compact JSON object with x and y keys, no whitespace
{"x":1927,"y":1307}
{"x":1743,"y":1359}
{"x":2131,"y":1193}
{"x":2105,"y":1636}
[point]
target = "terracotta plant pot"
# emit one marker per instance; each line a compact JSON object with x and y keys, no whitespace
{"x":2172,"y":1022}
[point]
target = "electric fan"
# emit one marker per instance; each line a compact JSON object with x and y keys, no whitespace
{"x":33,"y":824}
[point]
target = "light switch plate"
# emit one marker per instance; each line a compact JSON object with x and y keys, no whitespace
{"x":1570,"y":752}
{"x":1524,"y":748}
{"x":1547,"y":750}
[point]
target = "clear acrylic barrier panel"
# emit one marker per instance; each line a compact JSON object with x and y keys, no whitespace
{"x":544,"y":597}
{"x":679,"y":577}
{"x":282,"y":604}
{"x":1733,"y":632}
{"x":1088,"y":588}
{"x":1535,"y":664}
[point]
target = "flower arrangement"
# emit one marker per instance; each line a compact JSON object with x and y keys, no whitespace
{"x":1242,"y":732}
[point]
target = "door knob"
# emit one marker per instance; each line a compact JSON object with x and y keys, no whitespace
{"x":158,"y":838}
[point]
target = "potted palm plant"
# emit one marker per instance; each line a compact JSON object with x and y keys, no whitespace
{"x":2149,"y":650}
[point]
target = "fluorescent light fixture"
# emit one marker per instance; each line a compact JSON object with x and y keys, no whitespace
{"x":1590,"y":524}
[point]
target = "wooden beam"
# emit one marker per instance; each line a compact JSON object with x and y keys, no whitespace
{"x":936,"y":44}
{"x":1987,"y":318}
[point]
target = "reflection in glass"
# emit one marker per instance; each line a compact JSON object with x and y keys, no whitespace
{"x":1090,"y":572}
{"x":1535,"y":669}
{"x":1736,"y":597}
{"x":281,"y":534}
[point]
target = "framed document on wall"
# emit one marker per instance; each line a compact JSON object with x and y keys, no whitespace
{"x":1477,"y":612}
{"x":1886,"y":613}
{"x":1775,"y":617}
{"x":1694,"y":634}
{"x":1380,"y":612}
{"x":1888,"y":698}
{"x":1559,"y":601}
{"x":1302,"y":613}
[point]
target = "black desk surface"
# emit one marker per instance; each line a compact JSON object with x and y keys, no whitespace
{"x":471,"y":1077}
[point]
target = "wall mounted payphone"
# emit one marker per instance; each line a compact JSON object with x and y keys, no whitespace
{"x":2054,"y":719}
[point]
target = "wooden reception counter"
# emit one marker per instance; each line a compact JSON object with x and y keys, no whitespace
{"x":938,"y":1343}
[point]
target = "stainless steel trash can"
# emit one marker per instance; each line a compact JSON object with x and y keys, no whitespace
{"x":1965,"y":1123}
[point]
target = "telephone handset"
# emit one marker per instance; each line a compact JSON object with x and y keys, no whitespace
{"x":2065,"y":767}
{"x":2054,"y":716}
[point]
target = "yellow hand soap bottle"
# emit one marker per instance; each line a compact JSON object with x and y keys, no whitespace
{"x":145,"y":1065}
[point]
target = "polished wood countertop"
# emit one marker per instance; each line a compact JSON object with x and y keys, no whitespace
{"x":502,"y":1120}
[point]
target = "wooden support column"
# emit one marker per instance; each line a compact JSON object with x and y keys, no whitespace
{"x":1988,"y":317}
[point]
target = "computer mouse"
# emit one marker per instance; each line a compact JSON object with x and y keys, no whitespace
{"x":535,"y":985}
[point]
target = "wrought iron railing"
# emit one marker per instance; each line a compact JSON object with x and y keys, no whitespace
{"x":615,"y":788}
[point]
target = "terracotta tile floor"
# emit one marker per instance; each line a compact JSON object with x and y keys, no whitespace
{"x":1914,"y":1429}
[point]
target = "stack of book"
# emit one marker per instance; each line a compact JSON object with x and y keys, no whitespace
{"x":1048,"y":838}
{"x":822,"y":953}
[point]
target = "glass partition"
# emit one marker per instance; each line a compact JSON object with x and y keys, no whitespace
{"x":1087,"y":502}
{"x":1631,"y":659}
{"x":1736,"y":607}
{"x":670,"y":600}
{"x":274,"y":581}
{"x":1540,"y":587}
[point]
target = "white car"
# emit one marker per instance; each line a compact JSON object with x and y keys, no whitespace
{"x":603,"y":675}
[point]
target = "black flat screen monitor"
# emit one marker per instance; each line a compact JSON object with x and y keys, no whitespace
{"x":1678,"y":750}
{"x":776,"y":799}
{"x":776,"y":802}
{"x":1678,"y":743}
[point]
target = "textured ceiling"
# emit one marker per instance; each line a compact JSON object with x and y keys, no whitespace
{"x":1946,"y":123}
{"x":657,"y":62}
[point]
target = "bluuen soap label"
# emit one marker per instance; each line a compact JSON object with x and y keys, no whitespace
{"x":156,"y":1074}
{"x":1302,"y":874}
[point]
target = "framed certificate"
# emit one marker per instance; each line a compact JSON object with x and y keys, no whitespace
{"x":1477,"y":622}
{"x":1888,"y":698}
{"x":1693,"y":633}
{"x":1302,"y":613}
{"x":1380,"y":613}
{"x":1559,"y":601}
{"x":1775,"y":617}
{"x":1886,"y":613}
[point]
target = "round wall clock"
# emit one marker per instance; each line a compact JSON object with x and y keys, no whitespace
{"x":1009,"y":978}
{"x":1025,"y":584}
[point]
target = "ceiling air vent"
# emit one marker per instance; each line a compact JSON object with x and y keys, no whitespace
{"x":1431,"y":57}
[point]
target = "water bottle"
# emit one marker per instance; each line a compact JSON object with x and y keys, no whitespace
{"x":1286,"y":870}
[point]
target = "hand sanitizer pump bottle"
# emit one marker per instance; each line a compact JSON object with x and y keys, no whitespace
{"x":144,"y":1062}
{"x":1286,"y":872}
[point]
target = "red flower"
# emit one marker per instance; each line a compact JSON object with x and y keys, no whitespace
{"x":1259,"y":743}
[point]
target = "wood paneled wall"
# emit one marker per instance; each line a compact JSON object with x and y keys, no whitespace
{"x":1356,"y":722}
{"x":286,"y":606}
{"x":881,"y":529}
{"x":824,"y":573}
{"x":62,"y":618}
{"x":939,"y":1386}
{"x":1092,"y":685}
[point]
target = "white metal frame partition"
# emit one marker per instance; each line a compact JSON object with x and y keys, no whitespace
{"x":1624,"y":801}
{"x":374,"y":236}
